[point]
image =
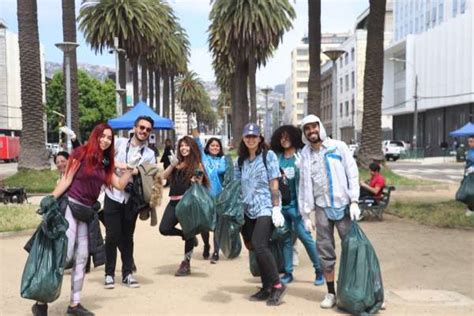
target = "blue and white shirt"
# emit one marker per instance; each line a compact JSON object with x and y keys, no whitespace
{"x":215,"y":168}
{"x":255,"y":179}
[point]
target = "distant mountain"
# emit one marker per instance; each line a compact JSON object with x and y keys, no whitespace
{"x":280,"y":88}
{"x":96,"y":71}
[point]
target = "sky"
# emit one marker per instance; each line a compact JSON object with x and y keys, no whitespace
{"x":336,"y":16}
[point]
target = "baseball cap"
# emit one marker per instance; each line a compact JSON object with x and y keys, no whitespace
{"x":251,"y":129}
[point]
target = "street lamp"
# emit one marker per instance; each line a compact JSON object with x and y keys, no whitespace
{"x":334,"y":55}
{"x":415,"y":101}
{"x":267,"y":116}
{"x":67,"y":48}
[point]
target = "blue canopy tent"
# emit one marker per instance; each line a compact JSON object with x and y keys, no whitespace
{"x":140,"y":109}
{"x":466,"y":130}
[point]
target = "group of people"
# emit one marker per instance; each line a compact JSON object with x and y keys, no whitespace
{"x":319,"y":172}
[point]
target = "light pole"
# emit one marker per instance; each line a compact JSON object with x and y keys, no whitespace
{"x":226,"y":129}
{"x":118,"y":89}
{"x":334,"y":54}
{"x":415,"y":101}
{"x":67,"y":48}
{"x":267,"y":118}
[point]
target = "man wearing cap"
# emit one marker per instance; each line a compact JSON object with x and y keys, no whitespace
{"x":329,"y":185}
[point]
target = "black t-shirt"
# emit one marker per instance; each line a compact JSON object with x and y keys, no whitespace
{"x":178,"y":182}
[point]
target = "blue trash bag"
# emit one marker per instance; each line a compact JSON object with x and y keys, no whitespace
{"x":359,"y":285}
{"x":195,"y":211}
{"x":43,"y":273}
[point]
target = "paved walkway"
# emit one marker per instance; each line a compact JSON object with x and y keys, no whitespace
{"x":426,"y":271}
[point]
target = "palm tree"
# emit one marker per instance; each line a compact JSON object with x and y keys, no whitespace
{"x":33,"y":154}
{"x":69,"y":35}
{"x":314,"y":38}
{"x":246,"y":32}
{"x":190,"y":93}
{"x":373,"y":83}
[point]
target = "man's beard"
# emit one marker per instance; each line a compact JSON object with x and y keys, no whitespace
{"x":313,"y":141}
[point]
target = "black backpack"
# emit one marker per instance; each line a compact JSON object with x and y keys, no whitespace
{"x":283,"y":185}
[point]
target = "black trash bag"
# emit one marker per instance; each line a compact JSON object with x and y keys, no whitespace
{"x":276,"y":247}
{"x":230,"y":214}
{"x":195,"y":211}
{"x":359,"y":285}
{"x":465,"y":193}
{"x":43,"y":273}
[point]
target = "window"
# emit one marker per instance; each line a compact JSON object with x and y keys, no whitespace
{"x":353,"y":105}
{"x":340,"y":109}
{"x":441,"y":11}
{"x":455,"y":8}
{"x":347,"y":82}
{"x":302,"y":63}
{"x":427,"y":19}
{"x":300,"y":116}
{"x":352,"y":53}
{"x":301,"y":95}
{"x":353,"y":80}
{"x":302,"y":51}
{"x":462,"y":8}
{"x":300,"y":106}
{"x":347,"y":108}
{"x":433,"y":15}
{"x":346,"y":58}
{"x":341,"y":85}
{"x":416,"y":25}
{"x":302,"y":84}
{"x":341,"y":62}
{"x":302,"y":74}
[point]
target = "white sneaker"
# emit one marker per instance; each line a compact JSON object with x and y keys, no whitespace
{"x":469,"y":212}
{"x":130,"y":281}
{"x":329,"y":301}
{"x":109,"y":282}
{"x":295,"y":258}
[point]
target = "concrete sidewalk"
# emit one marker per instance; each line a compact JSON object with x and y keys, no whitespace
{"x":426,"y":271}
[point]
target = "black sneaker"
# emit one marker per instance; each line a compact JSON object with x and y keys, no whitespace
{"x":276,"y":295}
{"x":39,"y":309}
{"x":215,"y":257}
{"x":184,"y":268}
{"x":78,"y":310}
{"x":262,"y":295}
{"x":205,"y":253}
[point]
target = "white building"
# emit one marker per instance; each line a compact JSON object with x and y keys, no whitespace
{"x":350,"y":79}
{"x":10,"y":82}
{"x":431,"y":57}
{"x":296,"y":91}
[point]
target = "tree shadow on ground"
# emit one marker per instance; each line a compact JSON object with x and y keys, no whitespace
{"x":170,"y":269}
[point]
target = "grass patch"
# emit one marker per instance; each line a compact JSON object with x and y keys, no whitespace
{"x":34,"y":181}
{"x":16,"y":217}
{"x":450,"y":214}
{"x":394,"y":179}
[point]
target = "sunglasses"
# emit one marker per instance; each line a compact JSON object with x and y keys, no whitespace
{"x":144,"y":128}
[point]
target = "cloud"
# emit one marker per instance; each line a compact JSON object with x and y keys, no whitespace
{"x":201,"y":63}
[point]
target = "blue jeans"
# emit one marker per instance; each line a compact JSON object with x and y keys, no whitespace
{"x":294,"y":222}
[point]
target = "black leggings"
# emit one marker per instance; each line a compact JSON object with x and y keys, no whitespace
{"x":257,"y":232}
{"x":168,"y":226}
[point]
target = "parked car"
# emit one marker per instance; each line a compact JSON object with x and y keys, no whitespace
{"x":53,"y":148}
{"x":392,"y":149}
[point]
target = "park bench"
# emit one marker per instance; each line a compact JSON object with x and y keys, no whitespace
{"x":369,"y":208}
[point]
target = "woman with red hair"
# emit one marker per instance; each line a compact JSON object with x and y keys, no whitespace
{"x":89,"y":167}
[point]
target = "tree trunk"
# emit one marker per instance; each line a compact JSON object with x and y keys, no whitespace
{"x":314,"y":37}
{"x":166,"y":98}
{"x":136,"y":92}
{"x":240,"y":109}
{"x":69,"y":35}
{"x":123,"y":81}
{"x":373,"y":83}
{"x":151,"y":90}
{"x":158,"y":93}
{"x":33,"y":154}
{"x":253,"y":89}
{"x":173,"y":105}
{"x":144,"y":81}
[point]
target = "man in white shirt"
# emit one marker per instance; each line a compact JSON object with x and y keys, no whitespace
{"x":329,"y":185}
{"x":119,"y":213}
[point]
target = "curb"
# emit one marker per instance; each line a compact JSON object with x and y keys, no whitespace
{"x":405,"y":188}
{"x":26,"y":232}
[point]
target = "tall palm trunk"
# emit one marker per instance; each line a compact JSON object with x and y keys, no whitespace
{"x":314,"y":37}
{"x":33,"y":154}
{"x":144,"y":81}
{"x":69,"y":35}
{"x":240,"y":109}
{"x":151,"y":90}
{"x":157,"y":92}
{"x":136,"y":92}
{"x":173,"y":105}
{"x":373,"y":83}
{"x":253,"y":89}
{"x":123,"y":81}
{"x":166,"y":98}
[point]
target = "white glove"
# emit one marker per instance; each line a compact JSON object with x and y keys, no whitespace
{"x":134,"y":160}
{"x":308,"y":224}
{"x":354,"y":211}
{"x":173,"y":159}
{"x":277,"y":217}
{"x":298,"y":160}
{"x":193,"y":122}
{"x":66,"y":130}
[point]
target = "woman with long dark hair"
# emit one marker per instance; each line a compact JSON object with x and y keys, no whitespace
{"x":286,"y":142}
{"x":214,"y":162}
{"x":89,"y":167}
{"x":257,"y":169}
{"x":184,"y":169}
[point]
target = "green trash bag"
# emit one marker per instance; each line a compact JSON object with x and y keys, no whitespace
{"x":43,"y":273}
{"x":195,"y":211}
{"x":229,"y":171}
{"x":276,"y":247}
{"x":359,"y":285}
{"x":465,"y":193}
